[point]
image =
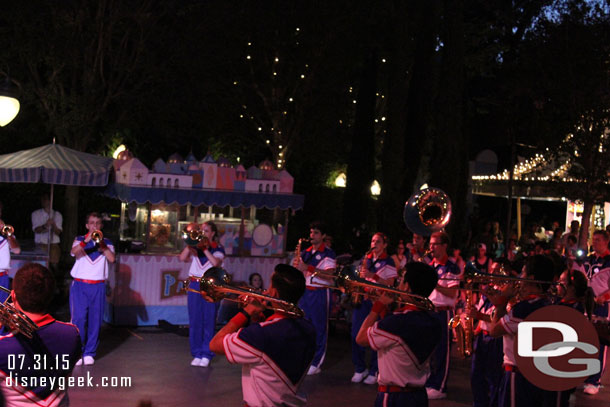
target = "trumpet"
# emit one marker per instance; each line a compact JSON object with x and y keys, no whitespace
{"x":7,"y":231}
{"x":14,"y":320}
{"x":355,"y":286}
{"x":215,"y":285}
{"x":97,"y":236}
{"x":194,"y":237}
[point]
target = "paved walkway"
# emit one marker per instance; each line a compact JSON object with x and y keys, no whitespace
{"x":157,"y":362}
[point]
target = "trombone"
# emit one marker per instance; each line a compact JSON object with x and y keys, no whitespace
{"x":350,"y":283}
{"x":215,"y":285}
{"x":473,"y":276}
{"x":14,"y":320}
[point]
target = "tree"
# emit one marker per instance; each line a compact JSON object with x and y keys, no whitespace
{"x":574,"y":95}
{"x":78,"y":59}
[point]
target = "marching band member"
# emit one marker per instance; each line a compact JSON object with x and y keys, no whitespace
{"x":202,"y":314}
{"x":486,"y":367}
{"x":50,"y":354}
{"x":401,"y":257}
{"x":515,"y":389}
{"x":417,"y":249}
{"x":575,"y":283}
{"x":404,"y":342}
{"x":8,"y":245}
{"x":316,"y":299}
{"x":599,"y":262}
{"x":379,"y":268}
{"x":444,"y":298}
{"x":275,"y":354}
{"x":88,"y":290}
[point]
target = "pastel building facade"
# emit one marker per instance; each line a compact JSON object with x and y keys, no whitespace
{"x":205,"y":174}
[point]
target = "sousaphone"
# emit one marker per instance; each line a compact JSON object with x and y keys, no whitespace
{"x":427,"y":211}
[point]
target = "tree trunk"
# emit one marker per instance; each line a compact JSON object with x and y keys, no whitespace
{"x":361,"y":163}
{"x":421,"y":90}
{"x":393,"y":194}
{"x":583,"y":238}
{"x":71,"y":220}
{"x":449,"y":163}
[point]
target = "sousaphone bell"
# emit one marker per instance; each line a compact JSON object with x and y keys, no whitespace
{"x":427,"y":211}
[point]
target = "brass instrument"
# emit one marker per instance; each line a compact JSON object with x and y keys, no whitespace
{"x":97,"y":236}
{"x":297,"y":251}
{"x":464,"y":328}
{"x":474,"y":276}
{"x":215,"y":286}
{"x":353,"y":285}
{"x":427,"y":211}
{"x":422,"y":258}
{"x":194,"y":237}
{"x":14,"y":320}
{"x":7,"y":231}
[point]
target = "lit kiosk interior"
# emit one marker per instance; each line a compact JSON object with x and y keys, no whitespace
{"x":250,"y":207}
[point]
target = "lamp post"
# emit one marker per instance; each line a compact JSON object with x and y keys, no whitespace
{"x":9,"y":104}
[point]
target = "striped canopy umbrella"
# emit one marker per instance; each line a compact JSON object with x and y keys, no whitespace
{"x":54,"y":164}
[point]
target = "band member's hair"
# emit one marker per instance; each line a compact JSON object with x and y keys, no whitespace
{"x":34,"y":287}
{"x":214,"y":228}
{"x":318,"y":225}
{"x":442,"y":236}
{"x":289,"y":283}
{"x":421,"y":277}
{"x":559,"y":263}
{"x":602,"y":233}
{"x":540,"y":267}
{"x":383,"y":236}
{"x":94,"y":215}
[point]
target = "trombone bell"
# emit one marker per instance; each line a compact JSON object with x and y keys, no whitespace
{"x":14,"y":320}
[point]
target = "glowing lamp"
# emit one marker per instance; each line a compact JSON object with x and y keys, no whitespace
{"x":341,"y":180}
{"x":118,"y":151}
{"x":9,"y":104}
{"x":375,"y":188}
